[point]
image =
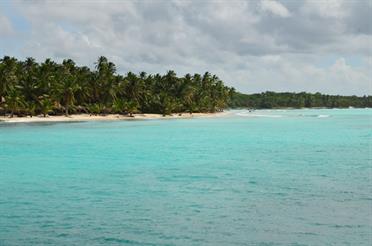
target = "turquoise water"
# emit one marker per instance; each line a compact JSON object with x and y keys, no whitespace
{"x":281,"y":177}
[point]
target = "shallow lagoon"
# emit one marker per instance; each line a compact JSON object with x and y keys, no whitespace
{"x":268,"y":177}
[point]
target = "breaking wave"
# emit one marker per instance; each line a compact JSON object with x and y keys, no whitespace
{"x":255,"y":115}
{"x":259,"y":115}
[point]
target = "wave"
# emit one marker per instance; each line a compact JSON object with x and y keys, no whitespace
{"x":251,"y":114}
{"x":259,"y":115}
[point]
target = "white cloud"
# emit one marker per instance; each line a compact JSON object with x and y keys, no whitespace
{"x":247,"y":48}
{"x":6,"y":28}
{"x":326,"y":8}
{"x":275,"y":8}
{"x":288,"y":75}
{"x":271,"y":59}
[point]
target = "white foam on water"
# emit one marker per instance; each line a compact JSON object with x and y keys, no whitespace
{"x":259,"y":115}
{"x":323,"y":116}
{"x":269,"y":115}
{"x":241,"y":114}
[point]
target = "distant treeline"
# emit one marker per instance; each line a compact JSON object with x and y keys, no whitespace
{"x":31,"y":88}
{"x":297,"y":100}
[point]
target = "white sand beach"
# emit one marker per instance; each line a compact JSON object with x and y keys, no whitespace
{"x":108,"y":117}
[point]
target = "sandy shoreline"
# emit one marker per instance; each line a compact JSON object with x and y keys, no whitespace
{"x":109,"y":117}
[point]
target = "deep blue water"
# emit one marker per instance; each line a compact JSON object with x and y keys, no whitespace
{"x":283,"y":177}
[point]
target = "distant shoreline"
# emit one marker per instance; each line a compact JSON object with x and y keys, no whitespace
{"x":108,"y":117}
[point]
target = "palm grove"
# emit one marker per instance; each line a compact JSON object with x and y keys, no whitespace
{"x":29,"y":88}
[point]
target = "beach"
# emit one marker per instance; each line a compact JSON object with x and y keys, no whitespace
{"x":108,"y":117}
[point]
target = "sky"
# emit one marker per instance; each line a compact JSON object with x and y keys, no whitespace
{"x":269,"y":45}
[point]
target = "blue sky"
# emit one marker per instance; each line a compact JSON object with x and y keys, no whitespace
{"x":317,"y":45}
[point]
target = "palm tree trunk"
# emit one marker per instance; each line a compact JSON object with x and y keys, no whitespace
{"x":66,"y":110}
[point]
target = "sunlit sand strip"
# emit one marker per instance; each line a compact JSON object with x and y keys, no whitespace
{"x":109,"y":117}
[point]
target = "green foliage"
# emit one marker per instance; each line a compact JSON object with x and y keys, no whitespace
{"x":95,"y":108}
{"x":297,"y":100}
{"x":27,"y":87}
{"x":30,"y":88}
{"x":119,"y":106}
{"x":131,"y":107}
{"x":45,"y":105}
{"x":14,"y":101}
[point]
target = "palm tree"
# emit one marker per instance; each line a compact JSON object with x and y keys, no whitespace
{"x":167,"y":104}
{"x":96,"y":108}
{"x":67,"y":91}
{"x":47,"y":75}
{"x":134,"y":87}
{"x":84,"y":77}
{"x":131,"y":107}
{"x":8,"y":75}
{"x":45,"y":106}
{"x":119,"y":106}
{"x":30,"y":108}
{"x":29,"y":87}
{"x":14,"y":101}
{"x":104,"y":79}
{"x":68,"y":86}
{"x":188,"y":91}
{"x":29,"y":82}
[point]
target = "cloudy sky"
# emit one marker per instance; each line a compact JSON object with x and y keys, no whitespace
{"x":315,"y":45}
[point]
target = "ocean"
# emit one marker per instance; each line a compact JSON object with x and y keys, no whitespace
{"x":268,"y":177}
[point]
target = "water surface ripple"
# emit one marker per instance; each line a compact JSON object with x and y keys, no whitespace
{"x":270,"y":177}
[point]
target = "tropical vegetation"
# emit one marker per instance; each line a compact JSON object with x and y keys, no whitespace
{"x":298,"y":100}
{"x":30,"y":88}
{"x":50,"y":88}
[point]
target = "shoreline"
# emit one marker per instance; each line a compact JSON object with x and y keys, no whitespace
{"x":108,"y":117}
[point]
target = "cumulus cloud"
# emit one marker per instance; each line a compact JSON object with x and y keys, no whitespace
{"x":6,"y":28}
{"x":275,"y":8}
{"x":252,"y":45}
{"x":329,"y":8}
